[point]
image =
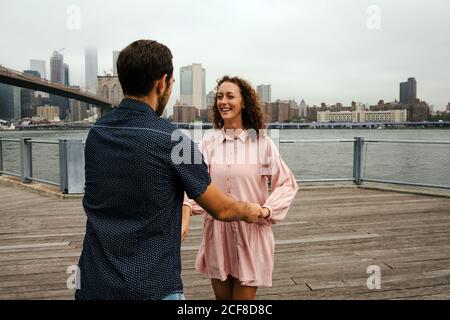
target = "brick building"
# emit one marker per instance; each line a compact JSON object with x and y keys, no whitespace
{"x":185,"y":114}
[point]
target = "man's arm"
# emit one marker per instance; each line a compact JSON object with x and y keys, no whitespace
{"x":186,"y":218}
{"x":224,"y":208}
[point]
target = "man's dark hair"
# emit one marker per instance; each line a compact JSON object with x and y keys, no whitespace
{"x":142,"y":63}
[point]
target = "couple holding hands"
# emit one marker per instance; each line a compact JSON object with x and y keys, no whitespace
{"x":139,"y":203}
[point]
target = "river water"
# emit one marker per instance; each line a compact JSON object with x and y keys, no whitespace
{"x":415,"y":163}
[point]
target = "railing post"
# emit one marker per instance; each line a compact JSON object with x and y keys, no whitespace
{"x":275,"y":136}
{"x":26,"y":161}
{"x":358,"y":160}
{"x":71,"y":166}
{"x":1,"y":156}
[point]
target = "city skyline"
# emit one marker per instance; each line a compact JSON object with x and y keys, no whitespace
{"x":321,"y":52}
{"x":408,"y":88}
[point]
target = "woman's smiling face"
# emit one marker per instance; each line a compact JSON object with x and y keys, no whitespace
{"x":229,"y":101}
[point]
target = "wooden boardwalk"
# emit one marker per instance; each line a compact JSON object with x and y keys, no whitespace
{"x":324,"y":247}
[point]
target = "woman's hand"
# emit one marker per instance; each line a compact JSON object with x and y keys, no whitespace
{"x":186,"y":218}
{"x":265,"y":212}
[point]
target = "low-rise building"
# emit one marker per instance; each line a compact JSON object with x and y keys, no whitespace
{"x":185,"y":114}
{"x":280,"y":111}
{"x":361,"y":115}
{"x":207,"y":115}
{"x":50,"y":113}
{"x":416,"y":112}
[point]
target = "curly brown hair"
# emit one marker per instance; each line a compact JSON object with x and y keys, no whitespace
{"x":252,"y":114}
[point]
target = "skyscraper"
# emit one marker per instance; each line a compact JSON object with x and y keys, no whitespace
{"x":78,"y":110}
{"x":66,"y":75}
{"x":91,"y":70}
{"x":39,"y":66}
{"x":28,"y":99}
{"x":57,"y":74}
{"x":193,"y":86}
{"x":264,"y":92}
{"x":57,"y":68}
{"x":408,"y":91}
{"x":303,"y":108}
{"x":115,"y":57}
{"x":10,"y":107}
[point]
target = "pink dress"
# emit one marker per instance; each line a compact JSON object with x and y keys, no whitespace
{"x":240,"y":168}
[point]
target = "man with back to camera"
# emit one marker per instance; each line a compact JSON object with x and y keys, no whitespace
{"x":134,"y":191}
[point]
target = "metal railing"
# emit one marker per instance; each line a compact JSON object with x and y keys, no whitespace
{"x":71,"y":163}
{"x":425,"y":162}
{"x":332,"y":141}
{"x":361,"y":158}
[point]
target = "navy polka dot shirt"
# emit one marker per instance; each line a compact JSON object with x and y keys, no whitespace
{"x":133,"y":198}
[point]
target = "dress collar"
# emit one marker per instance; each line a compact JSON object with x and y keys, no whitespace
{"x":222,"y":136}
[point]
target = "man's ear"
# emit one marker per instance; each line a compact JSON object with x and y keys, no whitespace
{"x":161,"y":84}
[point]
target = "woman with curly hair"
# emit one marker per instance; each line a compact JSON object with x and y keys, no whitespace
{"x":241,"y":160}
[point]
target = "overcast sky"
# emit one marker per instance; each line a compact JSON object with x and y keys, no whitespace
{"x":320,"y":51}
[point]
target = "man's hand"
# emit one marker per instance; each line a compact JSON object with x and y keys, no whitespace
{"x":186,"y":217}
{"x":254,"y":212}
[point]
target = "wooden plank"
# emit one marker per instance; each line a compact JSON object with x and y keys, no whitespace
{"x":35,"y":245}
{"x":39,"y":294}
{"x":322,"y":239}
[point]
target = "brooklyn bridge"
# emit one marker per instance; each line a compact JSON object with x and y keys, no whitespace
{"x":19,"y":79}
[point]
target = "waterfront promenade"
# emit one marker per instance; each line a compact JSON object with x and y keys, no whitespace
{"x":323,"y":248}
